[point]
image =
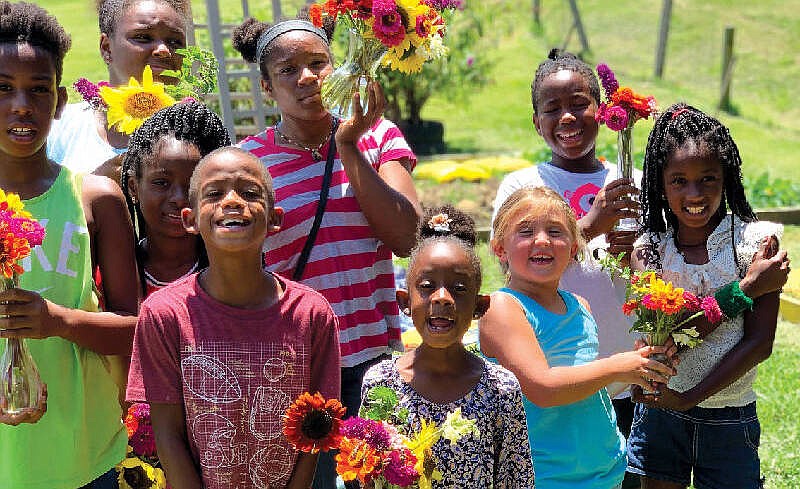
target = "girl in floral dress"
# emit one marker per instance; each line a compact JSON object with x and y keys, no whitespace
{"x":439,"y":376}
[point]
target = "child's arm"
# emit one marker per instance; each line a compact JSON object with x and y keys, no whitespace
{"x":506,"y":335}
{"x":754,"y":347}
{"x":172,"y":445}
{"x":108,"y":333}
{"x":387,"y":197}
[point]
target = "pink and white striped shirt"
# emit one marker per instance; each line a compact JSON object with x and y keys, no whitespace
{"x":348,"y":265}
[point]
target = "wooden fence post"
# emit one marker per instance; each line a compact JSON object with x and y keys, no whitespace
{"x":663,"y":32}
{"x":728,"y":60}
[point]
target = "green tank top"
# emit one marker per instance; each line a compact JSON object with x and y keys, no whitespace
{"x":81,"y":435}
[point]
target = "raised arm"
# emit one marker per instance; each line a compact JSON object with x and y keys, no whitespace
{"x":506,"y":335}
{"x":387,"y":197}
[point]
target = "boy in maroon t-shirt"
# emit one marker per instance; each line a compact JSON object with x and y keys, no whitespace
{"x":221,"y":354}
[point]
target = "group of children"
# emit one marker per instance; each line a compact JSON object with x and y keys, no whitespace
{"x":222,"y":345}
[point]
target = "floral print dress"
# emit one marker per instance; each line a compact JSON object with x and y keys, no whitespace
{"x":499,"y":456}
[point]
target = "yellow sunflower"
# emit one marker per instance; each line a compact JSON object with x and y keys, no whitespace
{"x":130,"y":105}
{"x":134,"y":472}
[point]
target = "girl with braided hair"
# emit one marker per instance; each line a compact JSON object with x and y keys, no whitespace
{"x":155,"y":180}
{"x":703,"y":424}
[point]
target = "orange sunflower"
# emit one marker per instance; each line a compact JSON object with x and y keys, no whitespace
{"x":312,"y":423}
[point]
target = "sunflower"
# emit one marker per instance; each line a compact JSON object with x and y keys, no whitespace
{"x":312,"y":423}
{"x":130,"y":105}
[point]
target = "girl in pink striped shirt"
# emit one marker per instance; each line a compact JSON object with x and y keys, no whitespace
{"x":371,"y":210}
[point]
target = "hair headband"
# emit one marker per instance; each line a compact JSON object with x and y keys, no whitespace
{"x":679,"y":112}
{"x":270,"y":34}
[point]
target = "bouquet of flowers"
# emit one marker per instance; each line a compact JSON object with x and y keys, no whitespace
{"x":20,"y":384}
{"x":619,"y":111}
{"x":140,"y":469}
{"x":399,"y":34}
{"x":130,"y":105}
{"x":662,"y":310}
{"x":378,"y":447}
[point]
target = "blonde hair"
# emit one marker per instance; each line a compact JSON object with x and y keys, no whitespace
{"x":534,"y":201}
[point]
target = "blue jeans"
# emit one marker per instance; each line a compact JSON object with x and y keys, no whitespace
{"x":718,"y":447}
{"x":325,"y":476}
{"x":105,"y":481}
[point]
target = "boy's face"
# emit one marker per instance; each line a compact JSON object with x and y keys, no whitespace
{"x":565,"y":114}
{"x":29,"y":98}
{"x":232,"y":212}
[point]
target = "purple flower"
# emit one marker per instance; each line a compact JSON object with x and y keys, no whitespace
{"x":616,"y":118}
{"x":607,"y":78}
{"x":368,"y":430}
{"x":400,"y":468}
{"x":90,"y":92}
{"x":470,"y":61}
{"x":444,"y":4}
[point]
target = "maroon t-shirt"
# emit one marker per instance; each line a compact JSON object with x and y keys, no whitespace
{"x":235,"y":371}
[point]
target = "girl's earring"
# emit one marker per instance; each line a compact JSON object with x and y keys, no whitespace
{"x":133,"y":200}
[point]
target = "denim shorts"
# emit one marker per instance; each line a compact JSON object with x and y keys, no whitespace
{"x":718,"y":446}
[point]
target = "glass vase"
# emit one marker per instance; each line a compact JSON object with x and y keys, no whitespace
{"x":20,"y":384}
{"x":625,"y":170}
{"x":360,"y":64}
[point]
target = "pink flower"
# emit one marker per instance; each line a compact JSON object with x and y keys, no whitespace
{"x":617,"y":118}
{"x":711,"y":309}
{"x":400,"y":468}
{"x":691,"y":301}
{"x":141,"y":437}
{"x":388,"y":26}
{"x":648,"y":302}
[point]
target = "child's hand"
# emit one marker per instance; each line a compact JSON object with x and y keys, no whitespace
{"x":635,"y":367}
{"x":613,"y":202}
{"x":351,"y":130}
{"x":768,"y":271}
{"x":663,"y":397}
{"x":31,"y":416}
{"x":621,"y":242}
{"x":25,"y":314}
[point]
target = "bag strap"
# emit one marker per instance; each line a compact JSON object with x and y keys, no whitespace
{"x":323,"y":200}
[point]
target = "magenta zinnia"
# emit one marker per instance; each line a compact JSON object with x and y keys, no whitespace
{"x":388,"y":26}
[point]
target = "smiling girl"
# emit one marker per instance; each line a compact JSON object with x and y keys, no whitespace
{"x":548,"y":339}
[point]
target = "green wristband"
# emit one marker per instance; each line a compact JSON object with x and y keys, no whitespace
{"x":732,"y":301}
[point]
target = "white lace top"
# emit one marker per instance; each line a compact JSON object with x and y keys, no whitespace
{"x":702,"y":280}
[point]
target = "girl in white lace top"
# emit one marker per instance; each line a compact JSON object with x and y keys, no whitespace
{"x":704,"y":423}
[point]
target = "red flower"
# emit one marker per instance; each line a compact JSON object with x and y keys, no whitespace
{"x":691,"y":301}
{"x":312,"y":424}
{"x":629,"y":307}
{"x":711,"y":309}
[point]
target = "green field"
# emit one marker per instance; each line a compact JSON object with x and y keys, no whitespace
{"x":622,"y":34}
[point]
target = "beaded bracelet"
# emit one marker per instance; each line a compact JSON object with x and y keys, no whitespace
{"x":732,"y":301}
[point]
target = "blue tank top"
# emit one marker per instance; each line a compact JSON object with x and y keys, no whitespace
{"x":576,"y":446}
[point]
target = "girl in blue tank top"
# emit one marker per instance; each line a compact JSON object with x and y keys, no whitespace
{"x":548,"y":339}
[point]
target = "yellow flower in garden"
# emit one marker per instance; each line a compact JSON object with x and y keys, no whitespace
{"x":130,"y":105}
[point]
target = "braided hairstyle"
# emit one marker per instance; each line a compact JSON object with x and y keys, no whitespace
{"x":446,"y":224}
{"x":28,"y":23}
{"x":191,"y":122}
{"x":557,"y":61}
{"x":678,"y":126}
{"x":245,"y":39}
{"x":110,"y":11}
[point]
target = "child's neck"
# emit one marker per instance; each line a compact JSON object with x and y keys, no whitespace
{"x":585,"y":164}
{"x":240,"y":281}
{"x":28,"y":177}
{"x":441,"y":375}
{"x":170,"y":258}
{"x":545,"y":294}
